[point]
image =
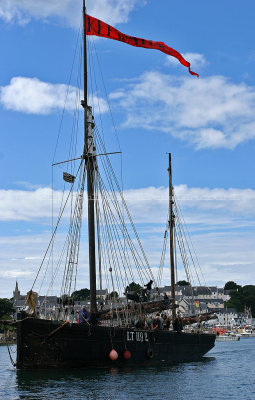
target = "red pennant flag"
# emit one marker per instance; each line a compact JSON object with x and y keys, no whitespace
{"x":99,"y":28}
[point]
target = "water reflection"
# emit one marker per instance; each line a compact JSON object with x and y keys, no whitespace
{"x":105,"y":383}
{"x":224,"y":376}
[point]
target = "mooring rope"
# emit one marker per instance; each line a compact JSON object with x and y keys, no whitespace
{"x":8,"y":347}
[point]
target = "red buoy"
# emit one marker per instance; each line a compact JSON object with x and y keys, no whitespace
{"x":126,"y":355}
{"x":113,"y":355}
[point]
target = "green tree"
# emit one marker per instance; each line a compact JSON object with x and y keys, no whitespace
{"x":242,"y":297}
{"x":230,"y":285}
{"x":80,"y":295}
{"x":112,"y":295}
{"x":183,"y":283}
{"x":134,"y":288}
{"x":6,"y":308}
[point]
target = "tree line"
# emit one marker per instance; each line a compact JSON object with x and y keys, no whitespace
{"x":241,"y":297}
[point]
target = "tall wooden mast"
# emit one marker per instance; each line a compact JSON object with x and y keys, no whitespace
{"x":90,"y":166}
{"x":171,"y":227}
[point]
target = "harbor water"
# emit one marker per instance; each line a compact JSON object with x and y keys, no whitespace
{"x":227,"y":372}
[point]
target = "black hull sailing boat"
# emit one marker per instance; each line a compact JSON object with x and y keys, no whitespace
{"x":47,"y":344}
{"x":111,"y":336}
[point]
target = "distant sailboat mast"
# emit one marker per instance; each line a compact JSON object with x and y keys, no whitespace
{"x":90,"y":167}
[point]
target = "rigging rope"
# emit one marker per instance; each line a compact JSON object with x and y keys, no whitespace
{"x":119,"y":248}
{"x":55,"y":230}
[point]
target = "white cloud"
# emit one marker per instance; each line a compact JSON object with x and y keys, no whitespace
{"x":14,"y":274}
{"x":196,"y":60}
{"x":147,"y":205}
{"x":67,"y":11}
{"x":29,"y":251}
{"x":32,"y":96}
{"x":21,"y":205}
{"x":208,"y":112}
{"x":214,"y":199}
{"x":226,"y":256}
{"x":27,"y":185}
{"x":220,"y":221}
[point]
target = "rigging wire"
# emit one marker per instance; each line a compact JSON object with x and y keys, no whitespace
{"x":73,"y":141}
{"x":74,"y":236}
{"x":163,"y":256}
{"x":67,"y":92}
{"x":188,"y":241}
{"x":191,"y":243}
{"x":110,"y":168}
{"x":55,"y":231}
{"x":111,"y":114}
{"x":116,"y":205}
{"x":110,"y":218}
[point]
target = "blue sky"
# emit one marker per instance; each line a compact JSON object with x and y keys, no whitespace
{"x":207,"y":124}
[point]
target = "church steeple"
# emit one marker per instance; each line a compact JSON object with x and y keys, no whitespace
{"x":16,"y":292}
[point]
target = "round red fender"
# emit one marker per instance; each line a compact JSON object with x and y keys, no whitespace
{"x":126,"y":355}
{"x":113,"y":355}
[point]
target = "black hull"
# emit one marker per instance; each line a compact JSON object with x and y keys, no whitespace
{"x":48,"y":344}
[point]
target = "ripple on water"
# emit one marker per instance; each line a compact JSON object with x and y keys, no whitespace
{"x":226,"y":373}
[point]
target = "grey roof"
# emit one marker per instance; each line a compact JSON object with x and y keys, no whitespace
{"x":21,"y":298}
{"x":48,"y":298}
{"x":52,"y":300}
{"x":215,"y":310}
{"x":102,"y":292}
{"x":229,"y":311}
{"x":166,"y":288}
{"x":19,"y":303}
{"x":213,"y":288}
{"x":195,"y":291}
{"x":215,"y":301}
{"x":186,"y":290}
{"x":161,"y":289}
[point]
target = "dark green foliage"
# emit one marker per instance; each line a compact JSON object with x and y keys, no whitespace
{"x":6,"y":308}
{"x":230,"y":285}
{"x":134,"y":288}
{"x":183,"y":283}
{"x":80,"y":295}
{"x":242,"y":297}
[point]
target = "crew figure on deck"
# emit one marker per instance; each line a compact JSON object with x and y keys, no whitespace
{"x":166,"y":300}
{"x":157,"y":323}
{"x":146,"y":291}
{"x":166,"y":322}
{"x":148,"y":285}
{"x":84,"y":316}
{"x":177,"y":324}
{"x":149,"y":322}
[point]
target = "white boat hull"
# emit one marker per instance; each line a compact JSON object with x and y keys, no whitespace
{"x":226,"y":338}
